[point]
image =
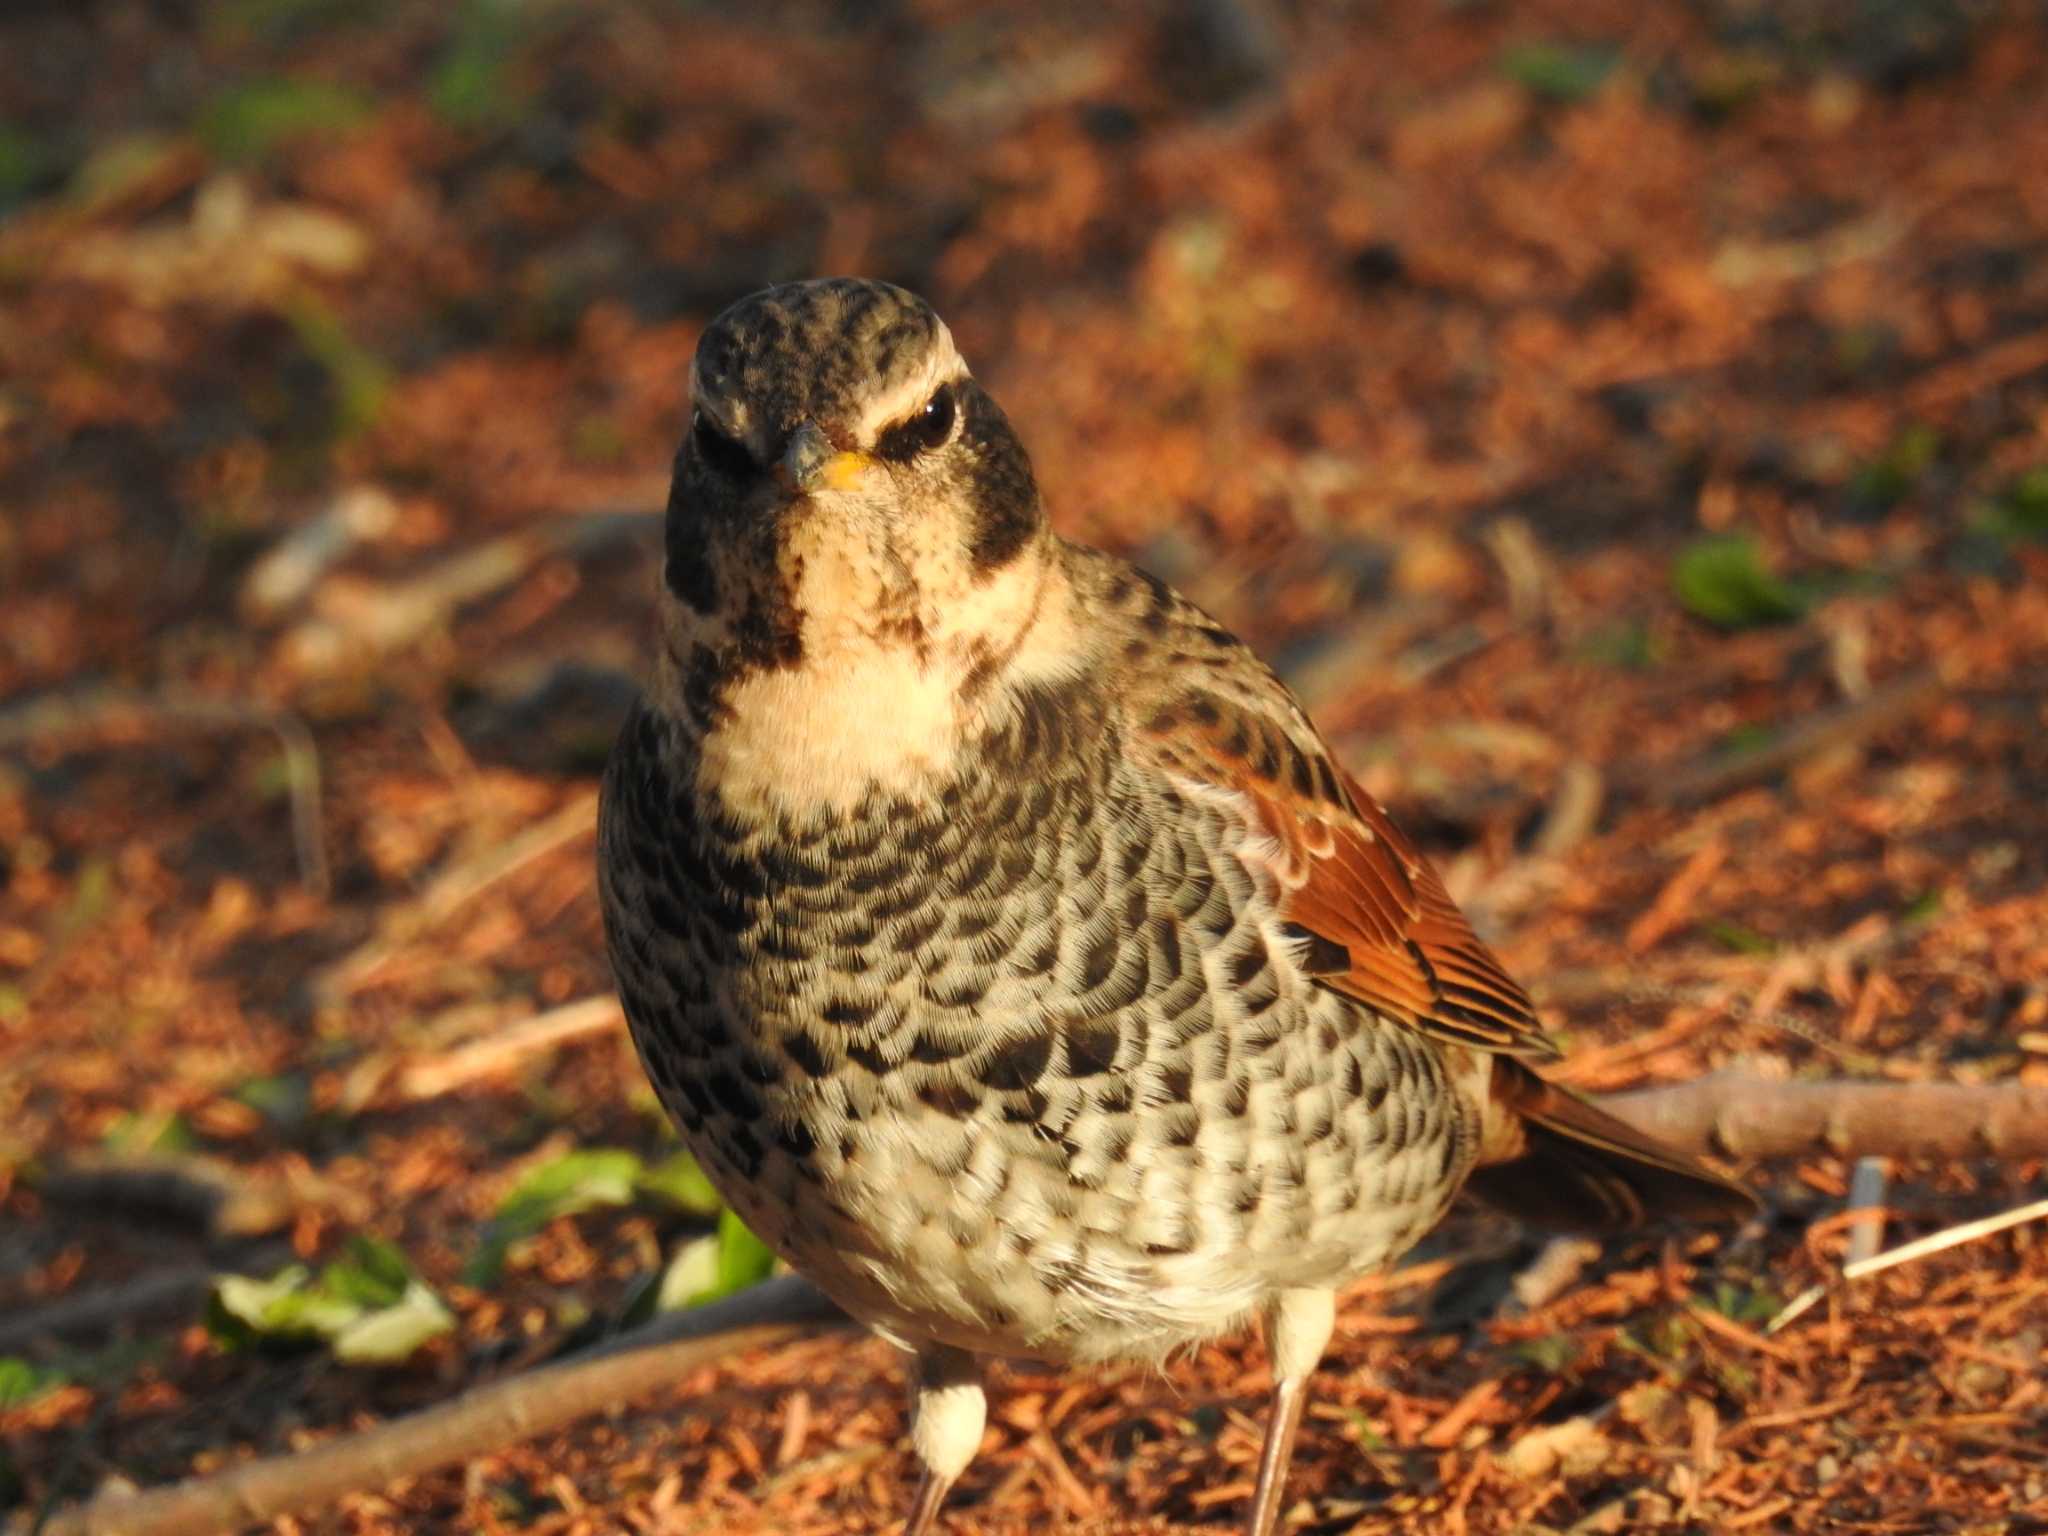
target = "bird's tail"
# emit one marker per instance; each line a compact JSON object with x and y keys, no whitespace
{"x":1554,"y":1159}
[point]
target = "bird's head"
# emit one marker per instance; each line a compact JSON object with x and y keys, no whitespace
{"x":845,"y":483}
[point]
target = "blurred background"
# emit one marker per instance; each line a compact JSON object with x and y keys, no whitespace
{"x":1626,"y":426}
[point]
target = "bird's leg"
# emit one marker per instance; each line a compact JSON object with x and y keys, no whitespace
{"x":1297,"y":1329}
{"x":946,"y":1429}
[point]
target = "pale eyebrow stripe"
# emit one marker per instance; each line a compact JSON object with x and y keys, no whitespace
{"x":943,"y":365}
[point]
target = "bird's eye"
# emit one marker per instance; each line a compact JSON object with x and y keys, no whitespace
{"x":935,"y":422}
{"x":920,"y":433}
{"x":722,"y":453}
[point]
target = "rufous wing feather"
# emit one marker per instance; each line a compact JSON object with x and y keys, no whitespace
{"x":1377,"y":925}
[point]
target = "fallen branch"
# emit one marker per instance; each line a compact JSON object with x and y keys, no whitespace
{"x":1743,"y":1117}
{"x":643,"y":1361}
{"x":160,"y":1293}
{"x":208,"y":1196}
{"x":1846,"y":725}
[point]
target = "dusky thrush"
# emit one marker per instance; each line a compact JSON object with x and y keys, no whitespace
{"x":998,"y":929}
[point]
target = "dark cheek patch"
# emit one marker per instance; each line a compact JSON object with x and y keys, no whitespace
{"x":687,"y":568}
{"x":1000,"y":485}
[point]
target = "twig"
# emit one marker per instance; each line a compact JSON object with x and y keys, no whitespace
{"x":286,"y":572}
{"x":1574,"y":810}
{"x":519,"y":1407}
{"x":1717,"y":774}
{"x":1549,"y":1275}
{"x":1673,"y":904}
{"x":364,"y":618}
{"x":1919,"y":1248}
{"x":157,"y":1293}
{"x":448,"y":892}
{"x":450,"y":1070}
{"x":1948,"y":1237}
{"x":85,"y":713}
{"x":1744,"y":1117}
{"x":1866,"y":1198}
{"x":1976,"y":375}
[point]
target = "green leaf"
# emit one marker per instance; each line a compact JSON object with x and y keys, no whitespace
{"x":392,"y":1333}
{"x":1923,"y":908}
{"x":716,"y":1265}
{"x":743,"y":1259}
{"x":1553,"y":1352}
{"x":1886,"y":480}
{"x":2026,"y":502}
{"x":1566,"y":72}
{"x":1724,"y":580}
{"x":680,"y":1182}
{"x":286,"y":1306}
{"x":135,"y":1133}
{"x":2020,"y":511}
{"x":359,"y":377}
{"x":23,"y":160}
{"x":374,"y":1274}
{"x":22,"y":1383}
{"x":90,"y":898}
{"x":1630,"y":645}
{"x":114,"y":170}
{"x":1740,"y":939}
{"x":575,"y":1181}
{"x":368,"y":1306}
{"x":690,"y":1277}
{"x":285,"y":1099}
{"x":1741,"y":740}
{"x":469,"y":86}
{"x":248,"y":122}
{"x":1746,"y":1304}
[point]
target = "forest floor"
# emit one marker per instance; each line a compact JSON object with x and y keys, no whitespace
{"x":1578,"y":401}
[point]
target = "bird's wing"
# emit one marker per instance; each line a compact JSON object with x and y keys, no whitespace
{"x":1377,"y":923}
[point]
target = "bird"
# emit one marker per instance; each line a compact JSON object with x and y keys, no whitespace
{"x":1001,"y":935}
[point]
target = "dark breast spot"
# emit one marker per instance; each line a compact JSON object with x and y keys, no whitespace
{"x":949,"y":1095}
{"x":1238,"y":1096}
{"x":1376,"y":1093}
{"x":732,"y":1095}
{"x":745,"y":1150}
{"x":1091,"y":1048}
{"x":1018,"y":1062}
{"x":1248,"y":962}
{"x":1030,"y":1109}
{"x":806,"y":1053}
{"x":929,"y":1049}
{"x":845,"y":1012}
{"x":1098,"y":960}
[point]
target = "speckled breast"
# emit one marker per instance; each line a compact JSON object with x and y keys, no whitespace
{"x":1021,"y":1061}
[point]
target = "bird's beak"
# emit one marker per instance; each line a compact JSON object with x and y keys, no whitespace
{"x":810,"y":463}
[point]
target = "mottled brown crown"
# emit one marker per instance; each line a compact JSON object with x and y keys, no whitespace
{"x":820,"y":351}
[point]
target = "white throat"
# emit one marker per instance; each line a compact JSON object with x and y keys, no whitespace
{"x":884,"y":694}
